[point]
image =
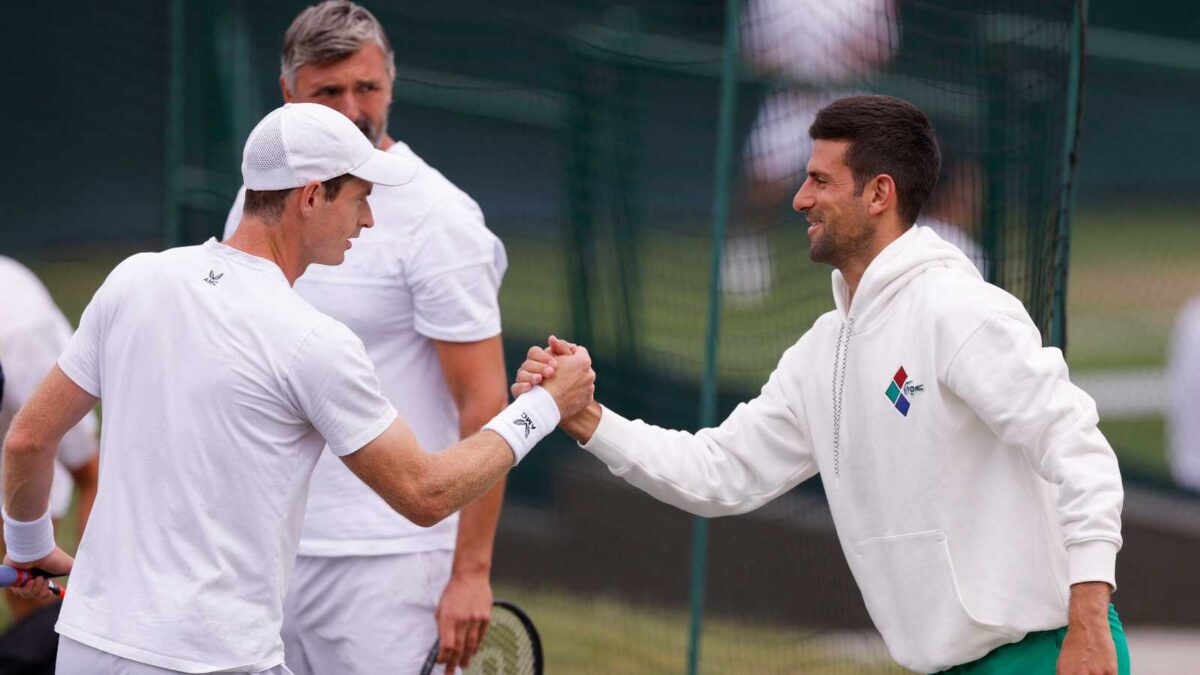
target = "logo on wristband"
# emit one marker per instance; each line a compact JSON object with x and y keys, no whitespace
{"x":524,"y":421}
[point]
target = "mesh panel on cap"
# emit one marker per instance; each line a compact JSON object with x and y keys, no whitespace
{"x":266,"y":158}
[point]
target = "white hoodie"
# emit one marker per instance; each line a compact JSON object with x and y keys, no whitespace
{"x":967,"y":479}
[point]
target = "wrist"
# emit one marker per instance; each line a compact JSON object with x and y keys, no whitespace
{"x":472,"y":571}
{"x":526,"y":421}
{"x":582,"y":424}
{"x":1089,"y":599}
{"x":28,"y":541}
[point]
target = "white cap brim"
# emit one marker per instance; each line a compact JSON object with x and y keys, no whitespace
{"x":383,"y":168}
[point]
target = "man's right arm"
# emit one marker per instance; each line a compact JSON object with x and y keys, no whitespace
{"x":760,"y":451}
{"x":427,"y":487}
{"x":334,"y":385}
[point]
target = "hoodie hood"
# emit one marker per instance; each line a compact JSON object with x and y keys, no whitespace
{"x":917,"y":250}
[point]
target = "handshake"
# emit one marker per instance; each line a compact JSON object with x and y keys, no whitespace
{"x":564,"y":370}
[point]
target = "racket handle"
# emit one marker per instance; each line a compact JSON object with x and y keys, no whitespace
{"x":13,"y":576}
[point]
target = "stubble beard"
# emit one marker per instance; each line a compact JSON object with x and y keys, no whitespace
{"x":835,"y":244}
{"x":373,"y":134}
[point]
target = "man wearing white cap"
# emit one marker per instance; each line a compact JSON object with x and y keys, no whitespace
{"x":221,"y":387}
{"x":420,"y":289}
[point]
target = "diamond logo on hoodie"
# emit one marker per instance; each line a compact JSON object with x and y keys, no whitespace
{"x":896,"y":389}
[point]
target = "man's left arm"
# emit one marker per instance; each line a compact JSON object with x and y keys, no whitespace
{"x":29,"y":451}
{"x":474,"y":373}
{"x":1022,"y":392}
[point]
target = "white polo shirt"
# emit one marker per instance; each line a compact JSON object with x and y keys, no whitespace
{"x":220,"y":388}
{"x":429,"y":269}
{"x":33,"y":332}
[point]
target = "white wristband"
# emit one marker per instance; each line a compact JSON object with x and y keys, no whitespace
{"x":28,"y":541}
{"x":526,"y":421}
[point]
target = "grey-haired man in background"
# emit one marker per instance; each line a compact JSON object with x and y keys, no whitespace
{"x":420,"y":290}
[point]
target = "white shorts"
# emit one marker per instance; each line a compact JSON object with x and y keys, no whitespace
{"x":363,"y":614}
{"x":76,"y":658}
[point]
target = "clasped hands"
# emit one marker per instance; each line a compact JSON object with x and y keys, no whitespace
{"x":557,"y":368}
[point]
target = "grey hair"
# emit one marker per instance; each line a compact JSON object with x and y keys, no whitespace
{"x":329,"y":31}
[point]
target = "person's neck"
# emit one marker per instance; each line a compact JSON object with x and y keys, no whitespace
{"x":386,"y":142}
{"x":855,"y":266}
{"x":267,"y":240}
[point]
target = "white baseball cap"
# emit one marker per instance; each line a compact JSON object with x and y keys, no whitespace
{"x":304,"y":142}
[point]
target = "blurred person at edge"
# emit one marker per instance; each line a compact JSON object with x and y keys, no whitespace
{"x":33,"y":332}
{"x":420,"y":290}
{"x":1183,"y":416}
{"x":813,"y":51}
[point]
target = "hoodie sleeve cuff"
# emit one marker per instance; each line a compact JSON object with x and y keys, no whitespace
{"x":1093,"y":561}
{"x":609,"y":442}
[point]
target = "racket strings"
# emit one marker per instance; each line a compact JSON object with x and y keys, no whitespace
{"x":507,"y":649}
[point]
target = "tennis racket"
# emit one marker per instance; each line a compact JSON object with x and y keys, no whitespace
{"x":12,"y":576}
{"x":510,"y":647}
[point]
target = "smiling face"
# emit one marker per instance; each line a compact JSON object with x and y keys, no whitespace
{"x":840,"y":228}
{"x":357,"y":86}
{"x":333,"y":223}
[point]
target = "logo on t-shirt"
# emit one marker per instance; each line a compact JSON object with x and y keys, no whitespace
{"x":213,"y":278}
{"x":901,"y":389}
{"x":524,"y":421}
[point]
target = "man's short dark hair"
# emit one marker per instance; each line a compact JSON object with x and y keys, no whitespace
{"x":268,"y":204}
{"x":886,"y":135}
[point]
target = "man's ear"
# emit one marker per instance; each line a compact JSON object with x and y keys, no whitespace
{"x":308,"y":195}
{"x":288,"y":96}
{"x":881,"y":194}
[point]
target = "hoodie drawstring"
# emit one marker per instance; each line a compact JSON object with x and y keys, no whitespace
{"x":839,"y":388}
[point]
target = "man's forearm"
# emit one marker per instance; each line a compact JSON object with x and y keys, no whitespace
{"x":426,"y":487}
{"x":1089,"y":600}
{"x":1089,"y":646}
{"x":461,"y":474}
{"x":477,"y":533}
{"x":478,"y":520}
{"x":28,"y":473}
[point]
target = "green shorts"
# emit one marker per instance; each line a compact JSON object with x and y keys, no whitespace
{"x":1038,"y":652}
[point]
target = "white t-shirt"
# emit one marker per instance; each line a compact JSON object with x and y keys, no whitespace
{"x":429,"y":269}
{"x":220,"y":387}
{"x":33,"y":332}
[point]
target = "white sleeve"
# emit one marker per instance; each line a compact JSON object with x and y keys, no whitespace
{"x":455,"y":276}
{"x":80,"y":361}
{"x":335,"y":385}
{"x":759,"y":452}
{"x":235,"y":214}
{"x":1020,"y":389}
{"x":79,"y":443}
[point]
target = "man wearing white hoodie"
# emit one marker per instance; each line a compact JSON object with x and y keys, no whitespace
{"x":976,"y":501}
